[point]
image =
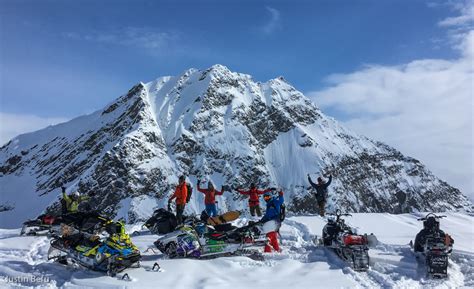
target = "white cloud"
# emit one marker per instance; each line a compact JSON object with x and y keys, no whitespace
{"x":143,"y":37}
{"x":466,"y":17}
{"x":423,"y":108}
{"x":274,"y":21}
{"x":12,"y":125}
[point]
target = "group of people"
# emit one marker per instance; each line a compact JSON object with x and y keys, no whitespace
{"x":182,"y":190}
{"x":271,"y":218}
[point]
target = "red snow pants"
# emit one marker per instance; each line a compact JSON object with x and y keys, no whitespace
{"x":272,"y":241}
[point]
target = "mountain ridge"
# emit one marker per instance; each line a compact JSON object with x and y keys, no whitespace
{"x":220,"y":125}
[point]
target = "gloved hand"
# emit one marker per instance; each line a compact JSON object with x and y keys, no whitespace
{"x":199,"y":182}
{"x":63,"y":189}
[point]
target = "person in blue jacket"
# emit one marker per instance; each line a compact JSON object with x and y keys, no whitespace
{"x":272,"y":220}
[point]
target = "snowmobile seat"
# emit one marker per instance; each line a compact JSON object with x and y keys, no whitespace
{"x":224,"y":227}
{"x":422,"y":237}
{"x":85,"y":221}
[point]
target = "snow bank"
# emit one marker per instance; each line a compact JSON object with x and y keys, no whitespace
{"x":301,"y":265}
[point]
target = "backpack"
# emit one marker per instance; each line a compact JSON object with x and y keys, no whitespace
{"x":190,"y":192}
{"x":282,"y":213}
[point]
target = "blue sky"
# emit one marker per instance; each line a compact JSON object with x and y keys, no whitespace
{"x":397,"y":71}
{"x":79,"y":55}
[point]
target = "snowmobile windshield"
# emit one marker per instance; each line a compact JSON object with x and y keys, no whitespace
{"x":431,"y":224}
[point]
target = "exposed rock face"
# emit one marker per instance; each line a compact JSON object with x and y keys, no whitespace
{"x":221,"y":125}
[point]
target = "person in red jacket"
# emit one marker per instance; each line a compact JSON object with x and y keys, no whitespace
{"x":210,"y":199}
{"x":254,"y":202}
{"x":181,"y":193}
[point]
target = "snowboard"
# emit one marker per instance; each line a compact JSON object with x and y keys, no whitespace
{"x":224,"y":218}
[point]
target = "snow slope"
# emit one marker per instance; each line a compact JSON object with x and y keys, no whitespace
{"x":301,"y":265}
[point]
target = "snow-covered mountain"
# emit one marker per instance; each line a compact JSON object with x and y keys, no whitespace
{"x":212,"y":124}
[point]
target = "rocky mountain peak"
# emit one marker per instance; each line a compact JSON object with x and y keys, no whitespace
{"x":212,"y":125}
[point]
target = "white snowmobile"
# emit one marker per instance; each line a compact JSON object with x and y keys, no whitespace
{"x":204,"y":241}
{"x":434,"y":246}
{"x":345,"y":242}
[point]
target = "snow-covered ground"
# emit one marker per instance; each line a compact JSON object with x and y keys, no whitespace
{"x":301,"y":265}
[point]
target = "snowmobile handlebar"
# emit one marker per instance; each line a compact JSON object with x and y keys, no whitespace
{"x":431,"y":215}
{"x":339,"y":213}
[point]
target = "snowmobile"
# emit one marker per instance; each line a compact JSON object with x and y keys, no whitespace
{"x":204,"y":241}
{"x":112,"y":254}
{"x":164,"y":221}
{"x":161,"y":222}
{"x":41,"y":226}
{"x":47,"y":224}
{"x":434,"y":246}
{"x":345,"y":242}
{"x":89,"y":222}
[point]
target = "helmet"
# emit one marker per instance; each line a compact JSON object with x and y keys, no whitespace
{"x":252,"y":185}
{"x":181,"y":178}
{"x":210,"y":185}
{"x":75,"y":195}
{"x":320,"y":180}
{"x":267,"y":196}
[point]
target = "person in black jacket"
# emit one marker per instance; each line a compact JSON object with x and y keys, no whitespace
{"x":321,"y":192}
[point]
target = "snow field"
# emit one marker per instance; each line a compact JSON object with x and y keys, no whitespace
{"x":302,"y":264}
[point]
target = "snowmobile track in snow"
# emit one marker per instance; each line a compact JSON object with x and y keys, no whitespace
{"x":391,"y":266}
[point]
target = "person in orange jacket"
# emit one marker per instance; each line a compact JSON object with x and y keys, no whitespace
{"x":181,"y":194}
{"x":254,"y":202}
{"x":210,"y":199}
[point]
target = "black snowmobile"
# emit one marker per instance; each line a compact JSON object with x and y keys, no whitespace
{"x":161,"y":222}
{"x":113,"y":254}
{"x":41,"y":226}
{"x":49,"y":224}
{"x":434,"y":246}
{"x":345,"y":242}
